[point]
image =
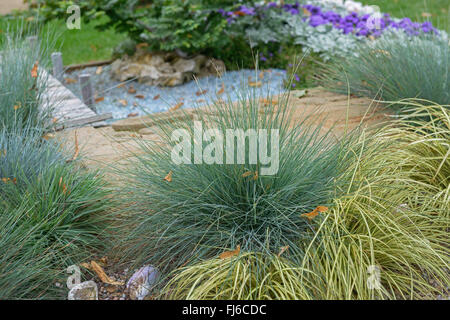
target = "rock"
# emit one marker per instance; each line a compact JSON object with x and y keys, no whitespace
{"x":142,"y":282}
{"x":84,"y":291}
{"x":164,"y":69}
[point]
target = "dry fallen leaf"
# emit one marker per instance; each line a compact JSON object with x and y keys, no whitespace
{"x":256,"y":84}
{"x":261,"y":75}
{"x":199,"y":93}
{"x":139,"y":96}
{"x":77,"y":148}
{"x":48,"y":136}
{"x":177,"y":106}
{"x":102,"y":275}
{"x":133,"y":114}
{"x":131,"y":90}
{"x":222,"y":89}
{"x":86,"y":265}
{"x":123,"y":102}
{"x":99,"y":70}
{"x":267,"y":102}
{"x":70,"y":80}
{"x":168,"y":178}
{"x":282,"y":250}
{"x":247,"y":174}
{"x":63,"y":185}
{"x":99,"y":99}
{"x":311,"y":215}
{"x":34,"y":71}
{"x":156,"y":97}
{"x":229,"y":254}
{"x":121,"y":85}
{"x":6,"y":180}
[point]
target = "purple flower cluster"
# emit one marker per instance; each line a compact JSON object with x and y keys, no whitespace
{"x":241,"y":11}
{"x":364,"y":25}
{"x":360,"y":25}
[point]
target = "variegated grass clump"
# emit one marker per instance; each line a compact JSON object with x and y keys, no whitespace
{"x":386,"y":239}
{"x":248,"y":276}
{"x":53,"y":213}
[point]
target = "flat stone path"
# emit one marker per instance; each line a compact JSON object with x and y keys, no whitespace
{"x":7,"y":6}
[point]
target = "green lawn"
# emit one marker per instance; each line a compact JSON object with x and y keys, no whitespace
{"x":79,"y":46}
{"x":86,"y":44}
{"x":414,"y":9}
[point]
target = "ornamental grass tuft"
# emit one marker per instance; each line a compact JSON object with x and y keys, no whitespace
{"x":53,"y":214}
{"x":179,"y":213}
{"x":23,"y":101}
{"x":394,"y":68}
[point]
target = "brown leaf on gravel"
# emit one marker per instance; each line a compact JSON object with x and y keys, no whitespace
{"x":229,"y":254}
{"x":133,"y":114}
{"x":123,"y":102}
{"x":256,"y":84}
{"x":199,"y":93}
{"x":261,"y":75}
{"x":121,"y":85}
{"x":156,"y":97}
{"x":99,"y":70}
{"x":168,"y":178}
{"x":222,"y":89}
{"x":102,"y":275}
{"x":139,"y":96}
{"x":131,"y":90}
{"x":99,"y":99}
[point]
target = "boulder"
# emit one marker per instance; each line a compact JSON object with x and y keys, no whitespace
{"x":164,"y":68}
{"x":84,"y":291}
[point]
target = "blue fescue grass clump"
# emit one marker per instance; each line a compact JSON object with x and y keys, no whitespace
{"x":22,"y":99}
{"x":53,"y":214}
{"x":395,"y":68}
{"x":208,"y":208}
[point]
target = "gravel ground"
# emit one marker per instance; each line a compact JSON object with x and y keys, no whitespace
{"x":134,"y":99}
